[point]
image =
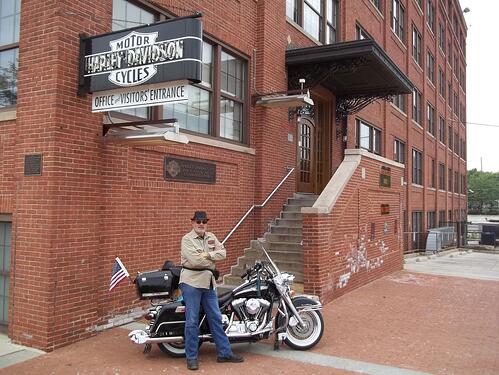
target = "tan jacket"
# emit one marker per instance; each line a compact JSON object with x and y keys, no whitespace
{"x":192,"y":249}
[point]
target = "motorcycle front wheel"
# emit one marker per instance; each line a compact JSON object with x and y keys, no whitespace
{"x":307,"y":336}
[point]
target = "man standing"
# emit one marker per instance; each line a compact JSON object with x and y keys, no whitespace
{"x":200,"y":251}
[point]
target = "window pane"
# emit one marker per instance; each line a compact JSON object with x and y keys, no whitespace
{"x":232,"y":75}
{"x":364,"y":136}
{"x":126,"y":15}
{"x":316,"y":4}
{"x":291,"y":9}
{"x":193,"y":115}
{"x":311,"y":21}
{"x":207,"y":73}
{"x":8,"y":77}
{"x":9,"y":21}
{"x":231,"y":120}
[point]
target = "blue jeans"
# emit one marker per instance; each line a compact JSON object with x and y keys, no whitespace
{"x":194,"y":298}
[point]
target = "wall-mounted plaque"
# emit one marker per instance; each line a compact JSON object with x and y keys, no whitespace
{"x":33,"y":165}
{"x":188,"y":170}
{"x":385,"y":209}
{"x":385,"y":177}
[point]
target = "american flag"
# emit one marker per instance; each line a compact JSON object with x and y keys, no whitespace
{"x":118,"y":274}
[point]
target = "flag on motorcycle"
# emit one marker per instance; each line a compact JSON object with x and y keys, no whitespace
{"x":118,"y":274}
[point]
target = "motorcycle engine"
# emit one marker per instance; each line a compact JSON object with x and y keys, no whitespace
{"x":250,"y":311}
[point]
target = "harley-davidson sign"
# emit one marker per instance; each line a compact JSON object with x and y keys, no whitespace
{"x":163,"y":52}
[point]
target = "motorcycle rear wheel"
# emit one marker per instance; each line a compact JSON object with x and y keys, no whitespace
{"x":174,"y":349}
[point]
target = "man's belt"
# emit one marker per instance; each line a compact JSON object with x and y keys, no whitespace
{"x":215,"y":272}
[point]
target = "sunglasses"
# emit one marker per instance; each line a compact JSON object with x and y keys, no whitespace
{"x":201,"y":221}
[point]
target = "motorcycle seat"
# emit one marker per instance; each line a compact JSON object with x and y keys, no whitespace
{"x":224,"y":298}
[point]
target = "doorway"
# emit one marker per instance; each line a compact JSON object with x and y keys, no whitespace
{"x":314,"y":148}
{"x":5,"y":245}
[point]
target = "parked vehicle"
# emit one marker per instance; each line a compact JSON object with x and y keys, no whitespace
{"x":260,"y":307}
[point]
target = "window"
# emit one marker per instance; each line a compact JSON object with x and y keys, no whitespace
{"x":398,"y":19}
{"x":441,"y":129}
{"x":126,"y":15}
{"x":10,"y":11}
{"x":368,"y":137}
{"x":449,"y":90}
{"x":430,"y":66}
{"x":430,"y":119}
{"x":449,"y":180}
{"x":430,"y":219}
{"x":416,"y":106}
{"x":442,"y":221}
{"x":377,"y":3}
{"x":417,"y":228}
{"x":360,"y":33}
{"x":309,"y":14}
{"x":441,"y":36}
{"x":417,"y":170}
{"x":456,"y":143}
{"x":399,"y":151}
{"x":223,"y":86}
{"x":450,"y":216}
{"x":430,"y":15}
{"x":420,"y":4}
{"x":433,"y":173}
{"x":400,"y":102}
{"x":450,"y":133}
{"x":455,"y":106}
{"x":441,"y":176}
{"x":456,"y":182}
{"x":416,"y":45}
{"x":441,"y":82}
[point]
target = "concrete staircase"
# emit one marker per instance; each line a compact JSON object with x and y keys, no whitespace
{"x":282,"y":242}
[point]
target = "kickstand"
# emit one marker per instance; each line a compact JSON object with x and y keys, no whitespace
{"x":276,"y":344}
{"x":147,"y":348}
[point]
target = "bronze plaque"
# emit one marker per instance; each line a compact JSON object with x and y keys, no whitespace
{"x":385,"y":209}
{"x":385,"y":177}
{"x":33,"y":165}
{"x":188,"y":170}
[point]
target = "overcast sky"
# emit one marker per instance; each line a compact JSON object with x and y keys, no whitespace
{"x":482,"y":91}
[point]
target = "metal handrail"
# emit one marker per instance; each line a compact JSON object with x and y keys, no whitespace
{"x":257,"y":206}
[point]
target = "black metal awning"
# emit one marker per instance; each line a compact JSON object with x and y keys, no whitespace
{"x":357,"y":72}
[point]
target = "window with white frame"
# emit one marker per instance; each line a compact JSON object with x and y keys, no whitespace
{"x":430,"y":66}
{"x":441,"y":82}
{"x":430,"y":119}
{"x":319,"y":18}
{"x":368,"y":137}
{"x":416,"y":106}
{"x":441,"y":36}
{"x":10,"y":11}
{"x":441,"y":129}
{"x":430,"y":15}
{"x":417,"y":167}
{"x":433,"y":173}
{"x":441,"y":176}
{"x":223,"y":86}
{"x":398,"y":19}
{"x":400,"y":101}
{"x":399,"y":151}
{"x":416,"y":44}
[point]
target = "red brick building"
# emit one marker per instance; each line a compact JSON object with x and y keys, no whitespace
{"x":381,"y":153}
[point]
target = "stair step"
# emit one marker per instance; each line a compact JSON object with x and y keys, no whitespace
{"x":291,"y":208}
{"x":283,"y":237}
{"x":290,"y":223}
{"x":291,"y":215}
{"x":283,"y":246}
{"x":275,"y":229}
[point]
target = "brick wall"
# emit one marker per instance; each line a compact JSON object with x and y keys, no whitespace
{"x":355,"y":243}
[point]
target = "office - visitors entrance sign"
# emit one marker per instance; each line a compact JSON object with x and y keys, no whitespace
{"x":118,"y":65}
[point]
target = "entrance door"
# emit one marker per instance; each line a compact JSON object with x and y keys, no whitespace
{"x":5,"y":231}
{"x":306,"y":155}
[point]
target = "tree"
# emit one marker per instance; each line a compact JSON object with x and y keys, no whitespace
{"x":483,"y":191}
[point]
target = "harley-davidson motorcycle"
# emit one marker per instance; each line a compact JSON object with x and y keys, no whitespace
{"x":260,"y":307}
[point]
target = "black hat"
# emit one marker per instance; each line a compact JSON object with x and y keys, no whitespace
{"x":200,"y":215}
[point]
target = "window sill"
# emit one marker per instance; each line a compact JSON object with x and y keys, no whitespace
{"x":417,"y":186}
{"x":441,"y":191}
{"x":398,"y":110}
{"x":302,"y":30}
{"x":431,"y":189}
{"x":220,"y":144}
{"x":399,"y":41}
{"x":8,"y":114}
{"x":415,"y":123}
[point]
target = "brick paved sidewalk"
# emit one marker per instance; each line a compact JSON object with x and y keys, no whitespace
{"x":405,"y":323}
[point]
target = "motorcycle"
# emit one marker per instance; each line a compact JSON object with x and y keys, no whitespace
{"x":260,"y":307}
